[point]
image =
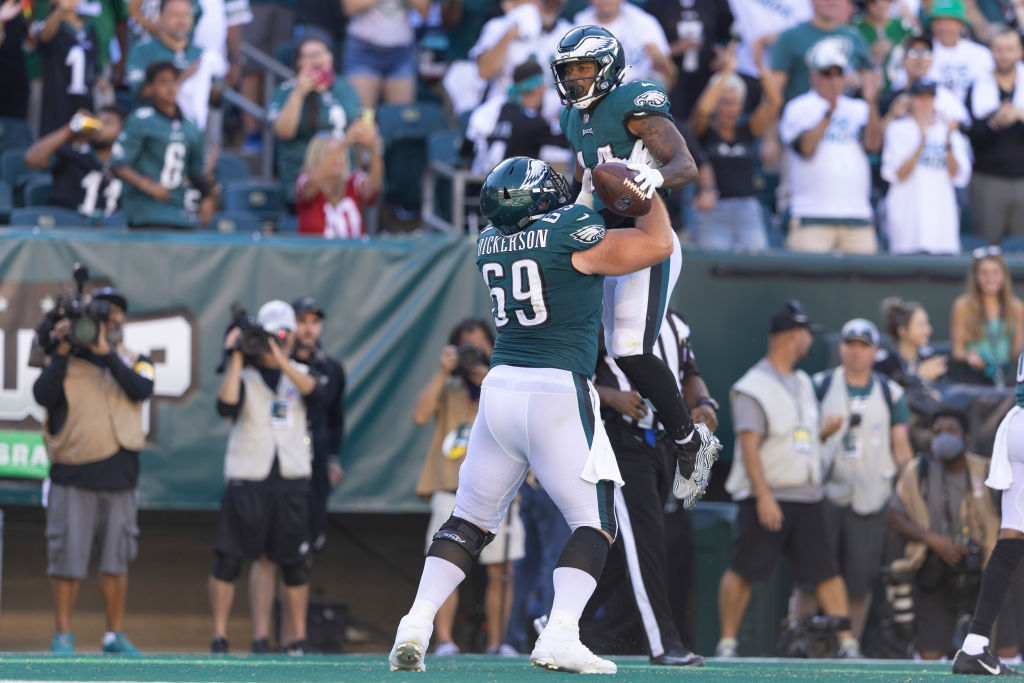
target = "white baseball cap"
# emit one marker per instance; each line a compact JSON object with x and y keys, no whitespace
{"x":825,"y":55}
{"x":275,"y":316}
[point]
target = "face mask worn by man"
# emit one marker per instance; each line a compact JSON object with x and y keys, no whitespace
{"x":947,"y":447}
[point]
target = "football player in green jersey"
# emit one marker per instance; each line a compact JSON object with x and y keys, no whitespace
{"x":543,"y":259}
{"x":158,"y":154}
{"x":605,"y":120}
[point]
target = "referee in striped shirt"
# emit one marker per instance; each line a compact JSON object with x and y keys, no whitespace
{"x":646,"y":458}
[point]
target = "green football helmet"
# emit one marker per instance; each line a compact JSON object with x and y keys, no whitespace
{"x":519,"y":191}
{"x":588,"y":44}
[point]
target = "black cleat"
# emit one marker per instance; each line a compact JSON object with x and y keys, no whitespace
{"x":985,"y":664}
{"x":681,"y":657}
{"x":261,"y":647}
{"x":219,"y":646}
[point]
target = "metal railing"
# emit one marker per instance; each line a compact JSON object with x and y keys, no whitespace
{"x":465,"y":214}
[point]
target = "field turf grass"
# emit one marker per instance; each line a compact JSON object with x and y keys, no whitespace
{"x":466,"y":668}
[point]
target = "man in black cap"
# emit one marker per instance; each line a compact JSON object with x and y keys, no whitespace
{"x":326,"y":428}
{"x":776,"y":478}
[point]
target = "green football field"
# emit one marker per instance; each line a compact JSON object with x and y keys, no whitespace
{"x":357,"y":668}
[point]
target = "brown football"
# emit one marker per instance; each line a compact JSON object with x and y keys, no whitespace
{"x":613,"y":184}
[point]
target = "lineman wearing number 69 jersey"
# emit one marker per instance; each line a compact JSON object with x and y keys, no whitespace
{"x":542,"y":259}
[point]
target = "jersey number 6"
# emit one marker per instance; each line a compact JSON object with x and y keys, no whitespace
{"x":527,"y":288}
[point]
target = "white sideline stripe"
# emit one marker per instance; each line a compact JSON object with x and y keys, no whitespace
{"x":643,"y":602}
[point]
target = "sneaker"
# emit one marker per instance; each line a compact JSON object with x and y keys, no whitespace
{"x":677,"y":657}
{"x":219,"y":646}
{"x":410,"y":643}
{"x":260,"y":646}
{"x":850,"y":649}
{"x":446,"y":649}
{"x":120,"y":645}
{"x":296,"y":648}
{"x":253,"y":143}
{"x":503,"y":650}
{"x":63,"y":644}
{"x":539,"y":623}
{"x":559,"y":649}
{"x":693,"y":465}
{"x":985,"y":664}
{"x":727,"y":648}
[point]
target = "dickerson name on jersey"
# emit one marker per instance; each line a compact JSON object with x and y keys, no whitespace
{"x":534,"y":239}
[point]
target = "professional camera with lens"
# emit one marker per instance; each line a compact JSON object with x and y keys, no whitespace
{"x":898,"y":621}
{"x":84,"y":312}
{"x":468,"y":358}
{"x":813,"y":637}
{"x":254,"y":340}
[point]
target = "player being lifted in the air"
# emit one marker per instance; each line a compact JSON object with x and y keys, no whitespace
{"x":608,"y":120}
{"x":543,"y":259}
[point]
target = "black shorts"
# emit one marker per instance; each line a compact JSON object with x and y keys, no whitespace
{"x":257,"y":519}
{"x":803,"y":537}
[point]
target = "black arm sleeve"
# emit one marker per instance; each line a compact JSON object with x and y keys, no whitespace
{"x":137,"y":387}
{"x":201,"y":183}
{"x":336,"y":412}
{"x":48,"y":389}
{"x":231,"y":410}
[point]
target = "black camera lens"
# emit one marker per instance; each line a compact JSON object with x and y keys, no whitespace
{"x":84,"y":331}
{"x":855,"y":419}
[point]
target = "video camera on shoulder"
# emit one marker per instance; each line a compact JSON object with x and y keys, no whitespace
{"x":253,"y":342}
{"x":84,"y":312}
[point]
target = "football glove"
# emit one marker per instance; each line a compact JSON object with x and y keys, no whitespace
{"x":649,"y":179}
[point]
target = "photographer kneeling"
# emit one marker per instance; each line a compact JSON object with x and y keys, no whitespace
{"x":265,"y":508}
{"x":93,"y":396}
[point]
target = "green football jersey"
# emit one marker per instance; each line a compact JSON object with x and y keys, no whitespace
{"x":151,"y":50}
{"x":168,"y":151}
{"x":600,"y":135}
{"x":547,"y":313}
{"x":339,"y":107}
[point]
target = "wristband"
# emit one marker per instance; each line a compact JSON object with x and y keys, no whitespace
{"x":708,"y":401}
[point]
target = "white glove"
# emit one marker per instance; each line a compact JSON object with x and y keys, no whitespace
{"x":649,"y":179}
{"x":588,"y":181}
{"x":586,"y":196}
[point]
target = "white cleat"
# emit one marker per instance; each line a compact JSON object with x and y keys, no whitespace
{"x":559,"y":649}
{"x":410,"y":643}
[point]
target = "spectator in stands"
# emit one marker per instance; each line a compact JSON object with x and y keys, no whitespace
{"x":776,"y":478}
{"x":797,"y":49}
{"x":462,"y":21}
{"x":272,"y":25}
{"x":956,"y":61}
{"x":157,"y":151}
{"x":758,"y":26}
{"x":696,"y":30}
{"x":828,"y":136}
{"x":380,"y":49}
{"x":79,"y":158}
{"x":729,"y":215}
{"x":512,"y":126}
{"x":950,"y":524}
{"x":268,"y":462}
{"x":916,"y":62}
{"x":315,"y":100}
{"x":329,"y":198}
{"x":69,"y":49}
{"x":13,"y":77}
{"x":911,"y":362}
{"x":220,"y":28}
{"x":987,"y":322}
{"x":996,"y":102}
{"x":881,"y":30}
{"x":451,"y":399}
{"x":923,"y":159}
{"x":93,"y":433}
{"x":862,"y":460}
{"x":646,"y":48}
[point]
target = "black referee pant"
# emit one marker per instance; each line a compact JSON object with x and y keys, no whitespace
{"x":639,"y":552}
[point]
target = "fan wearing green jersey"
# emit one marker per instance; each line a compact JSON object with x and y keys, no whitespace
{"x":607,"y":119}
{"x":543,"y":259}
{"x":159,"y":155}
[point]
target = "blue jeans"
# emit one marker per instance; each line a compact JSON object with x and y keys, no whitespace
{"x":546,"y":535}
{"x":736,"y":223}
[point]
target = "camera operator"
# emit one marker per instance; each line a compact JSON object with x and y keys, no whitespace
{"x":265,"y":508}
{"x":950,"y":523}
{"x":93,"y":397}
{"x":452,"y":397}
{"x":325,"y":421}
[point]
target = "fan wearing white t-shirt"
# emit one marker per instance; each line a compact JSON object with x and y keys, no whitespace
{"x":956,"y":61}
{"x":828,"y":136}
{"x":643,"y":40}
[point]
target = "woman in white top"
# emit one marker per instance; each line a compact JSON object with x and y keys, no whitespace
{"x":380,"y":49}
{"x":924,"y":159}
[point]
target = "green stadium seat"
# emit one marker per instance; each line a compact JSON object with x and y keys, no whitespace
{"x":37,"y":191}
{"x":115,"y":222}
{"x":235,"y":221}
{"x":6,"y":202}
{"x":1013,"y":243}
{"x":265,"y":200}
{"x":285,"y":52}
{"x":969,"y":242}
{"x":13,"y":166}
{"x":406,"y":128}
{"x":444,"y":146}
{"x":48,"y":217}
{"x":231,"y":168}
{"x":14,"y":133}
{"x":287,"y":224}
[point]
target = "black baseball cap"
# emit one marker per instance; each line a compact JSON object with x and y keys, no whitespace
{"x":791,"y":317}
{"x":113,"y":296}
{"x":307,"y":304}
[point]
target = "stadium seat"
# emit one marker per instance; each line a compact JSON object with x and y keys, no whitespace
{"x":13,"y":166}
{"x":1013,"y":243}
{"x":405,"y":128}
{"x":444,"y":146}
{"x":115,"y":222}
{"x":235,"y":221}
{"x":969,"y":243}
{"x":287,"y":225}
{"x":48,"y":217}
{"x":14,"y":133}
{"x":285,"y":52}
{"x":6,"y":202}
{"x":231,"y":168}
{"x":262,"y":199}
{"x":37,"y":191}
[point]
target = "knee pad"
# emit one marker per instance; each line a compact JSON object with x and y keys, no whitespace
{"x":586,"y":550}
{"x":226,"y":567}
{"x":296,"y":574}
{"x":468,"y":537}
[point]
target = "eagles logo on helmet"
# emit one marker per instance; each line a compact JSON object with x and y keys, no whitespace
{"x":519,"y":191}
